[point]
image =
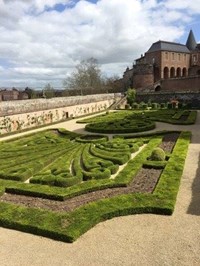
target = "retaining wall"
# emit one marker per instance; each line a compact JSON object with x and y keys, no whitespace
{"x":19,"y":115}
{"x":162,"y":97}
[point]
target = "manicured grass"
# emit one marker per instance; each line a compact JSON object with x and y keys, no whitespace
{"x":66,"y":159}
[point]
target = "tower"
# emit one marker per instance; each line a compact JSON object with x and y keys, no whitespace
{"x":191,"y":42}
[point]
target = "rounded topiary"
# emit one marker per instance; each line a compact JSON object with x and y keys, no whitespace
{"x":127,"y":106}
{"x":154,"y":105}
{"x":163,"y":105}
{"x":157,"y":155}
{"x":135,"y":106}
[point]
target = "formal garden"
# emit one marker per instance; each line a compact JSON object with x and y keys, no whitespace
{"x":59,"y":184}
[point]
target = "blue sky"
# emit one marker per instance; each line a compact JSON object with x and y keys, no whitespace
{"x":43,"y":40}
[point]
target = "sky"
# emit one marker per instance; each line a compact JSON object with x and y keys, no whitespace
{"x":41,"y":41}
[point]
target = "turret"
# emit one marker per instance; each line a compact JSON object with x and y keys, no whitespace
{"x":191,"y":42}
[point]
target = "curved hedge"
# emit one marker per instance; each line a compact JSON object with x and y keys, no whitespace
{"x":121,"y":126}
{"x":92,"y":139}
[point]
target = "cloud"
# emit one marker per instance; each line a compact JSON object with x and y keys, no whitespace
{"x":40,"y":44}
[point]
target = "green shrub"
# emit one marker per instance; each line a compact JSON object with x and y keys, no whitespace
{"x":143,"y":105}
{"x":169,"y":106}
{"x":154,"y":105}
{"x":67,"y":182}
{"x":180,"y":105}
{"x":135,"y":106}
{"x":99,"y":173}
{"x":157,"y":155}
{"x":163,"y":105}
{"x":127,"y":106}
{"x":149,"y":103}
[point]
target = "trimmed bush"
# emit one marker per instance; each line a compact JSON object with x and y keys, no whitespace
{"x":127,"y":106}
{"x":135,"y":106}
{"x":92,"y":139}
{"x":157,"y":155}
{"x":163,"y":105}
{"x":154,"y":105}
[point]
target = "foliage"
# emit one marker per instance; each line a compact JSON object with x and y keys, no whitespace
{"x":48,"y":91}
{"x":128,"y":125}
{"x":135,"y":106}
{"x":157,"y":155}
{"x":130,"y":96}
{"x":129,"y":121}
{"x":87,"y":75}
{"x":31,"y":93}
{"x":163,"y":115}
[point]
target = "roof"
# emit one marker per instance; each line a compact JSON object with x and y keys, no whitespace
{"x":168,"y":46}
{"x":191,"y":42}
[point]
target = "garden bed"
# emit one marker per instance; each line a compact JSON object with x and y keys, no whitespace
{"x":87,"y":194}
{"x":144,"y":182}
{"x":168,"y":142}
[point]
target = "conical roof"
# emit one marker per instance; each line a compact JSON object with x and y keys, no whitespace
{"x":191,"y":42}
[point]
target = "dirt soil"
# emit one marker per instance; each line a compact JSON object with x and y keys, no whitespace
{"x":145,"y":181}
{"x":169,"y":141}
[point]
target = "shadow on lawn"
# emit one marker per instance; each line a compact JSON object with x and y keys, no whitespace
{"x":194,"y":208}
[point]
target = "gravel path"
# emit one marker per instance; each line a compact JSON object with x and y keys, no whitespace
{"x":132,"y":240}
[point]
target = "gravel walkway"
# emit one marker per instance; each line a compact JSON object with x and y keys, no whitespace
{"x":132,"y":240}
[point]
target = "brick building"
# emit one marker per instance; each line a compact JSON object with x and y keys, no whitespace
{"x":165,"y":60}
{"x":13,"y":94}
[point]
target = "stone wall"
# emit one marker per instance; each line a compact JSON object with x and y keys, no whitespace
{"x":49,"y":111}
{"x":163,"y":97}
{"x":26,"y":106}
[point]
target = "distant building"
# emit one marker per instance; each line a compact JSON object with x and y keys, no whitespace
{"x":13,"y":94}
{"x":164,"y":60}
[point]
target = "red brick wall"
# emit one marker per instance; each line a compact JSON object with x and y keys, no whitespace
{"x":184,"y":84}
{"x":140,"y":81}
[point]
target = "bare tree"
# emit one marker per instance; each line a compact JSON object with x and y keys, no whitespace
{"x":48,"y":91}
{"x":86,"y":77}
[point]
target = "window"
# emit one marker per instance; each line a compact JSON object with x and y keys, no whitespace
{"x":179,"y":57}
{"x":166,"y":55}
{"x":194,"y":58}
{"x":173,"y":56}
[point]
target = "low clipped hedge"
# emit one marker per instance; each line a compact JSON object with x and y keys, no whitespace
{"x":121,"y":126}
{"x":114,"y":157}
{"x":154,"y":164}
{"x":96,"y":173}
{"x":157,"y":155}
{"x":92,"y":139}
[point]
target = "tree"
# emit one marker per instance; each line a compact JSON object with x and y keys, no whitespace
{"x":130,"y":96}
{"x":87,"y":76}
{"x":31,"y":93}
{"x":113,"y":84}
{"x":48,"y":91}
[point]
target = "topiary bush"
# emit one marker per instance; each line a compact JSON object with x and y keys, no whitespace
{"x":157,"y":154}
{"x":163,"y":105}
{"x":135,"y":106}
{"x":127,"y":106}
{"x":154,"y":105}
{"x":143,"y":105}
